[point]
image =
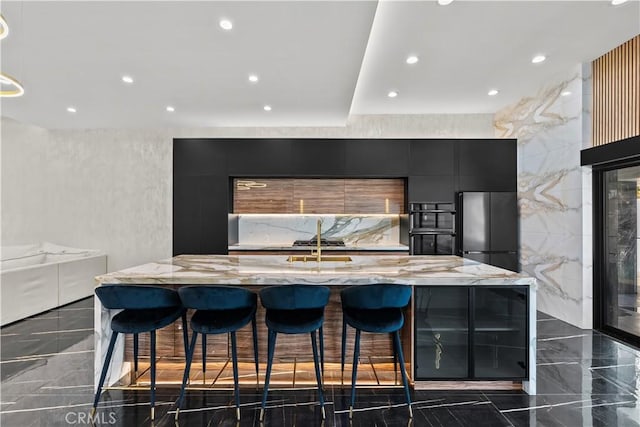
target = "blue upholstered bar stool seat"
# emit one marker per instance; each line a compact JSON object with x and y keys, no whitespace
{"x":294,"y":309}
{"x":220,"y":310}
{"x":377,"y":309}
{"x":144,"y":309}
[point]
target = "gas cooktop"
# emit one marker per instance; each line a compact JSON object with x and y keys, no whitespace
{"x":323,"y":242}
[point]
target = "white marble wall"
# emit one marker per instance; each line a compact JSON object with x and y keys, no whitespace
{"x":258,"y":229}
{"x":554,"y":194}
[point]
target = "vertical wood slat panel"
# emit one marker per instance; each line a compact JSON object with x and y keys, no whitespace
{"x":616,"y":94}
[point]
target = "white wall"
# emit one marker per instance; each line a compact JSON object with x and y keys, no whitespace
{"x":554,"y":194}
{"x":111,"y":189}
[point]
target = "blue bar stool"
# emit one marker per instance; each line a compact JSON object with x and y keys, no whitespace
{"x":144,"y":309}
{"x":220,"y":310}
{"x":294,"y":309}
{"x":378,"y":309}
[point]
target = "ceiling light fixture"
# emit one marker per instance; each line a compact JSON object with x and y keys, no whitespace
{"x":392,"y":94}
{"x":170,"y":109}
{"x":127,"y":79}
{"x":4,"y":28}
{"x":71,"y":109}
{"x":444,"y":2}
{"x":538,"y":59}
{"x":492,"y":92}
{"x":565,"y":93}
{"x":412,"y":59}
{"x":267,"y":108}
{"x":617,"y":2}
{"x":16,"y":88}
{"x":225,"y":24}
{"x":253,"y":78}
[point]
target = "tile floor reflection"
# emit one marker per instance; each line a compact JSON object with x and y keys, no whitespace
{"x":584,"y":379}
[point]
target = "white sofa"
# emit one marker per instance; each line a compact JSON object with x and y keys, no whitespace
{"x":39,"y":277}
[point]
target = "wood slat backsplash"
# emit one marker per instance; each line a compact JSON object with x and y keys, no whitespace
{"x":321,"y":196}
{"x":616,"y":94}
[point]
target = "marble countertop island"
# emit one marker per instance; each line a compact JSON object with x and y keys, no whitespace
{"x":426,"y":270}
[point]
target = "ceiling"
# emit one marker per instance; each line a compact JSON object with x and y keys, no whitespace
{"x":317,"y":61}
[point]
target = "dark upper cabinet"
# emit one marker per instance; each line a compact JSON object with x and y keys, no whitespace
{"x":200,"y":206}
{"x":432,"y":188}
{"x":488,"y":182}
{"x":488,"y":157}
{"x":318,"y":158}
{"x":429,"y":157}
{"x":376,"y":157}
{"x":251,"y":157}
{"x":199,"y":157}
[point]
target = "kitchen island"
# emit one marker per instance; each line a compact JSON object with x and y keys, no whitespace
{"x":428,"y":326}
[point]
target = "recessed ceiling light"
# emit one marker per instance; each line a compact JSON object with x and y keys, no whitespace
{"x":253,"y":78}
{"x":412,"y":59}
{"x":267,"y":108}
{"x":392,"y":94}
{"x":127,"y":79}
{"x":617,"y":2}
{"x":225,"y":24}
{"x":565,"y":93}
{"x":71,"y":109}
{"x":538,"y":59}
{"x":492,"y":92}
{"x":170,"y":109}
{"x":444,"y":2}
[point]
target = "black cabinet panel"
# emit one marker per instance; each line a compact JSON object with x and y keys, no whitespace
{"x":376,"y":158}
{"x":440,"y":188}
{"x":500,"y":333}
{"x":318,"y":158}
{"x":504,"y":221}
{"x":488,"y":157}
{"x":199,"y":157}
{"x":200,"y":215}
{"x":269,"y":157}
{"x":429,"y":157}
{"x":488,"y":182}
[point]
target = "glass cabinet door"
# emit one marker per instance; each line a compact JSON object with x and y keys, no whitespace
{"x":442,"y":332}
{"x":500,"y":342}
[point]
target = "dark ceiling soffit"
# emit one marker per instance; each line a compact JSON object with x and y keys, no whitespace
{"x":612,"y":152}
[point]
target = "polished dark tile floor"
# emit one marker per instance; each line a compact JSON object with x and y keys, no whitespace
{"x":46,"y":365}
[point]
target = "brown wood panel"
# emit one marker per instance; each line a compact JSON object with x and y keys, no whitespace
{"x":275,"y":197}
{"x":616,"y":94}
{"x":318,"y":196}
{"x":374,"y":196}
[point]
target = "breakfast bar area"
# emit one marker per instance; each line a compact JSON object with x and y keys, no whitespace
{"x":450,"y":339}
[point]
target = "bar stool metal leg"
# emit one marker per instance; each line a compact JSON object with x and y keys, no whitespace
{"x":344,"y":350}
{"x":402,"y":371}
{"x":204,"y":357}
{"x":185,"y":333}
{"x":395,"y":361}
{"x":255,"y":348}
{"x":135,"y":358}
{"x":153,"y":374}
{"x":314,"y":346}
{"x":105,"y":369}
{"x":187,"y":367}
{"x":354,"y":372}
{"x":234,"y":356}
{"x":271,"y":346}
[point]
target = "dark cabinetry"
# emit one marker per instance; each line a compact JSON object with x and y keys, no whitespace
{"x":431,"y":228}
{"x":478,"y":333}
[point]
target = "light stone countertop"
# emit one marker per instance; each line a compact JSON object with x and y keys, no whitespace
{"x":289,"y":247}
{"x":422,"y":270}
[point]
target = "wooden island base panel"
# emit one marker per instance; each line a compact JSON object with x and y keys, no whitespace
{"x":293,"y":365}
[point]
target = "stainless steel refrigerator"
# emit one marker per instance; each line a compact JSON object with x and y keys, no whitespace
{"x":487,"y":228}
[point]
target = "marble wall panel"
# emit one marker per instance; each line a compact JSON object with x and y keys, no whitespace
{"x":554,"y":192}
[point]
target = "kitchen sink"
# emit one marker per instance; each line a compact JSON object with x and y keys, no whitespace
{"x":324,"y":258}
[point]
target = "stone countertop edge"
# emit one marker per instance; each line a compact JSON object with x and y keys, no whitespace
{"x":386,"y":248}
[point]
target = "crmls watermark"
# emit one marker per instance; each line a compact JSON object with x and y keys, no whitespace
{"x":84,"y":418}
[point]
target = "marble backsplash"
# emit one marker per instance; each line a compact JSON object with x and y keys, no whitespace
{"x":276,"y":229}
